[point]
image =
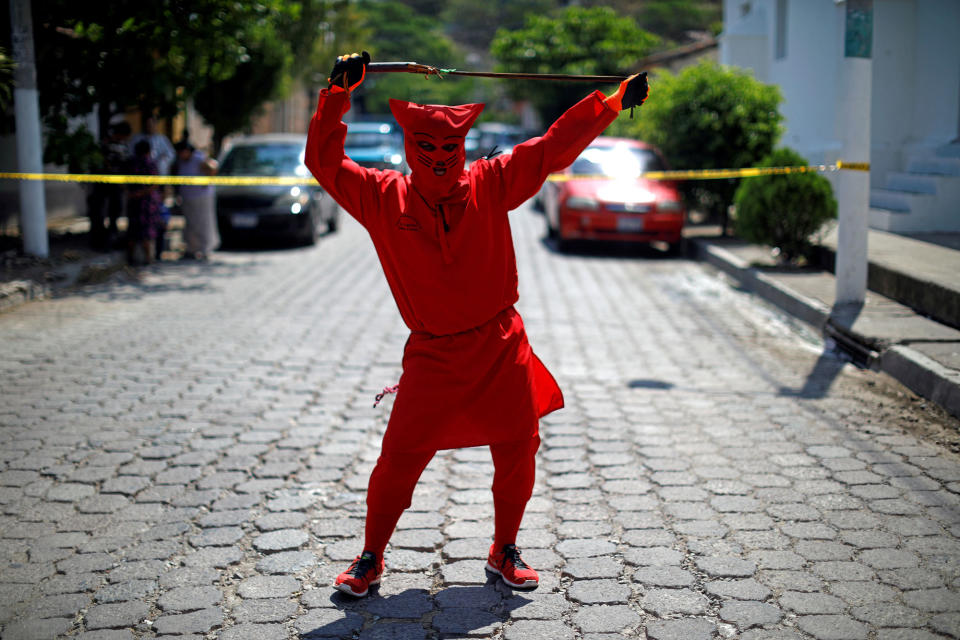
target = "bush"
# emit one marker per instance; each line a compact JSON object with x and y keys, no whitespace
{"x":707,"y":117}
{"x":784,"y":210}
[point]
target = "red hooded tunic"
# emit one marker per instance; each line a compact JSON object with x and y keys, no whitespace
{"x":469,"y":375}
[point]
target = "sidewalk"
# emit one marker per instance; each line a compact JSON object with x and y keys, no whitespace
{"x":903,"y":328}
{"x":70,"y":262}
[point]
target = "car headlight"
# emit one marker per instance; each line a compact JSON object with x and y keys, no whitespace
{"x":579,"y":202}
{"x":296,"y":196}
{"x":669,"y":206}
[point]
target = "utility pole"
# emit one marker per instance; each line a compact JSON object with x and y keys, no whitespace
{"x":853,"y":128}
{"x":33,"y":206}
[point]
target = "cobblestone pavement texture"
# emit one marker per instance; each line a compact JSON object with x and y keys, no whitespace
{"x":187,"y":456}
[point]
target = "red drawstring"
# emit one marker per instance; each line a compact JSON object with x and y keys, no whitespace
{"x":386,"y":390}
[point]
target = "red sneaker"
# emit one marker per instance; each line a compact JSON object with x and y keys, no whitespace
{"x":363,"y":572}
{"x":508,"y":564}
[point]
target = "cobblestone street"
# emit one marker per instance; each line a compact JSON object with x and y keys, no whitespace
{"x":187,"y":455}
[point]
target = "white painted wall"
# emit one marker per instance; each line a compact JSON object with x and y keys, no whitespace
{"x":809,"y":78}
{"x":894,"y":84}
{"x":745,"y":42}
{"x":937,"y":100}
{"x":915,"y":101}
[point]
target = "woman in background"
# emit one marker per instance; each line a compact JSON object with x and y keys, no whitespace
{"x":197,"y":202}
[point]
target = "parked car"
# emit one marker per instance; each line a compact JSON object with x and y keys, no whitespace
{"x":296,"y":213}
{"x":602,"y":196}
{"x":378,"y":145}
{"x":493,"y":137}
{"x":500,"y":136}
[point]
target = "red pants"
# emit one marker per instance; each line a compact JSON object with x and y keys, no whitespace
{"x":395,"y":476}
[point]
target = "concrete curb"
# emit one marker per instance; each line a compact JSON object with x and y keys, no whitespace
{"x":811,"y":311}
{"x":916,"y":371}
{"x":924,"y":376}
{"x":926,"y":296}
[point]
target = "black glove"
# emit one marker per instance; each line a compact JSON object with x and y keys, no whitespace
{"x":636,"y":92}
{"x":349,"y":71}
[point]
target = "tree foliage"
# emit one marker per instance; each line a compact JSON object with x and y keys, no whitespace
{"x":108,"y":57}
{"x":578,"y":40}
{"x":277,"y":55}
{"x":674,"y":18}
{"x":670,"y":19}
{"x":397,"y":33}
{"x":474,"y":24}
{"x":708,"y":117}
{"x":784,"y":210}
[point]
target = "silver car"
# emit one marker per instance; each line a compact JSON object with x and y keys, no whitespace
{"x":272,"y":212}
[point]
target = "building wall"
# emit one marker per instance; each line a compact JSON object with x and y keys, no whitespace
{"x":937,"y":71}
{"x":807,"y":74}
{"x":894,"y":83}
{"x":915,"y":101}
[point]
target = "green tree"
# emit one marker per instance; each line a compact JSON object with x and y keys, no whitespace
{"x":577,"y":41}
{"x":285,"y":50}
{"x":228,"y":105}
{"x":397,"y":33}
{"x":111,"y":56}
{"x":427,"y":7}
{"x":708,"y":117}
{"x":672,"y":19}
{"x":474,"y":24}
{"x":784,"y":210}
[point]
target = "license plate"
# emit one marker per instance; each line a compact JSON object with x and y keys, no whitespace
{"x":629,"y":224}
{"x":244,"y":220}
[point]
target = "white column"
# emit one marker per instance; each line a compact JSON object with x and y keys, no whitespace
{"x":853,"y":187}
{"x":33,"y":206}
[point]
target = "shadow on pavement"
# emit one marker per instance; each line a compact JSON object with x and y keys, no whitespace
{"x":835,"y":355}
{"x":610,"y":250}
{"x":821,"y":377}
{"x":121,"y":282}
{"x":662,"y":385}
{"x":462,"y":610}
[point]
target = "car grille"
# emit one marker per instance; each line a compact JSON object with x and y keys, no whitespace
{"x":245,"y":202}
{"x":627,"y":207}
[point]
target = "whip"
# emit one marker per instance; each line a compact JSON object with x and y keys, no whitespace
{"x":427,"y":70}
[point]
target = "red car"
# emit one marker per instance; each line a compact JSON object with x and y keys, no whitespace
{"x":602,"y":196}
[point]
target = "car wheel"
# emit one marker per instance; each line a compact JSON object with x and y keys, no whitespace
{"x":310,"y":237}
{"x":334,"y":222}
{"x":675,"y":248}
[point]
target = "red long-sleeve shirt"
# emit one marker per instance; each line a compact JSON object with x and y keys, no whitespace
{"x":481,"y":278}
{"x":469,"y":375}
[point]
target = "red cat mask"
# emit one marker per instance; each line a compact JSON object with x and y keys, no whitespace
{"x":433,"y":141}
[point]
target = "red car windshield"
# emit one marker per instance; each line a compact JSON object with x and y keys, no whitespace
{"x":616,"y":162}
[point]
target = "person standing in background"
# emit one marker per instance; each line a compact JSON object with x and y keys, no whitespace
{"x":161,"y":150}
{"x":197,"y":202}
{"x":106,"y":201}
{"x":143,"y":207}
{"x":162,"y":154}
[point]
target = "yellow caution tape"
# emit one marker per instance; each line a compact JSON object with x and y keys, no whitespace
{"x":717,"y":174}
{"x":291,"y":181}
{"x":232,"y":181}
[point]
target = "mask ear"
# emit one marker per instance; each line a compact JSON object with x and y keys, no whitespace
{"x":456,"y":120}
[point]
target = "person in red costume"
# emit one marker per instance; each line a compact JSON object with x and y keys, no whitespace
{"x":442,"y":235}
